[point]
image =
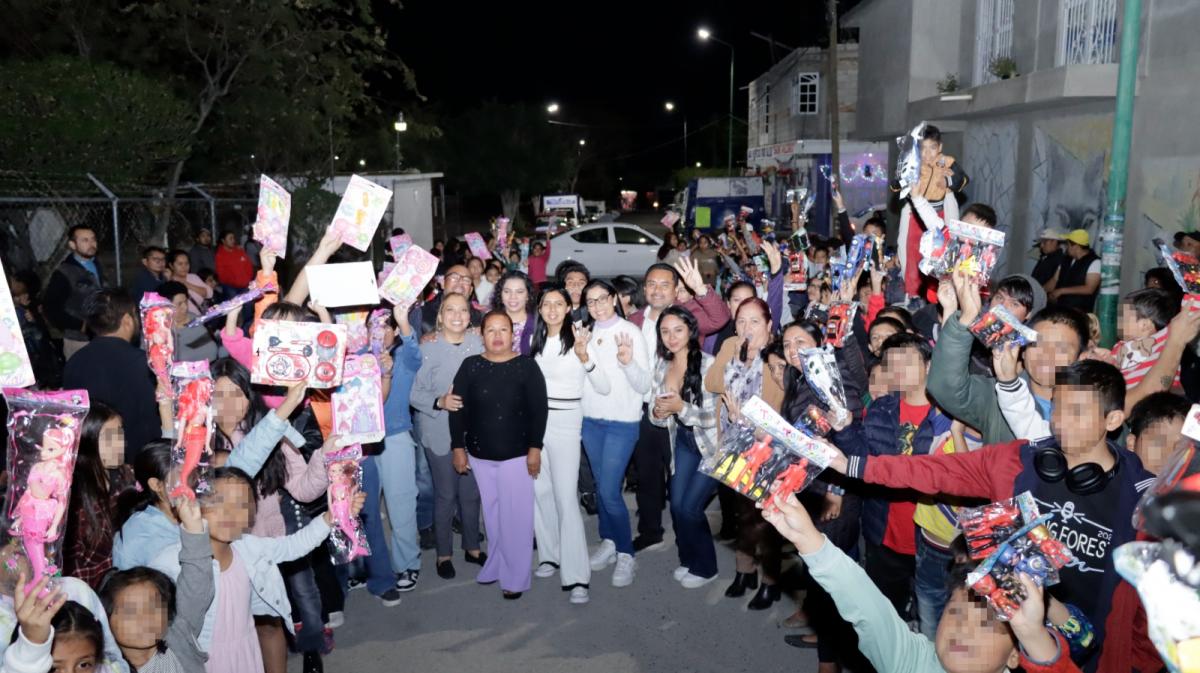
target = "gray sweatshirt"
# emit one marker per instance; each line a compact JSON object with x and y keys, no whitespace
{"x":194,"y":593}
{"x":439,"y":363}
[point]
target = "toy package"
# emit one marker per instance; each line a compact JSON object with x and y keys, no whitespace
{"x":193,"y":387}
{"x":998,"y":326}
{"x":358,"y":215}
{"x":1011,"y":538}
{"x":15,"y":368}
{"x":1184,"y":266}
{"x":797,"y":277}
{"x":377,"y":327}
{"x":839,"y":322}
{"x":477,"y":245}
{"x":747,"y":229}
{"x":384,"y":272}
{"x":821,"y":371}
{"x":503,"y":231}
{"x":158,"y":338}
{"x":347,"y":540}
{"x":274,"y":211}
{"x":286,"y":352}
{"x":43,"y":440}
{"x":862,"y":251}
{"x":358,"y":402}
{"x":816,"y":312}
{"x":1159,"y":572}
{"x":669,"y":219}
{"x":398,"y":244}
{"x":813,"y":423}
{"x":766,"y":458}
{"x":408,"y":277}
{"x":960,"y":246}
{"x":358,"y":335}
{"x":908,"y":165}
{"x":230,"y":305}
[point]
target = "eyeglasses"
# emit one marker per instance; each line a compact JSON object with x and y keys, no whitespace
{"x":454,"y":277}
{"x":595,"y":301}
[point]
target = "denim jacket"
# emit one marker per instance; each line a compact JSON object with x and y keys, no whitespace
{"x":150,"y":530}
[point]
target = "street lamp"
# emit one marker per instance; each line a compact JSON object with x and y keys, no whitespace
{"x":582,"y":142}
{"x":670,"y":107}
{"x":697,"y":164}
{"x":362,"y":162}
{"x":705,"y":35}
{"x":400,"y":126}
{"x":552,"y":108}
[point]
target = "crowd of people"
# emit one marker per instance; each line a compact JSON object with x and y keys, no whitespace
{"x":518,"y":402}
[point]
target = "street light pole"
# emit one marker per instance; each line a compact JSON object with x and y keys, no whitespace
{"x":400,"y":126}
{"x":706,"y":34}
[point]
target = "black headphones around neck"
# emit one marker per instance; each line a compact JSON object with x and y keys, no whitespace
{"x":1085,"y":479}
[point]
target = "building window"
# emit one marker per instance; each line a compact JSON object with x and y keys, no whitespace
{"x":1087,"y":31}
{"x":993,"y":36}
{"x":805,"y":93}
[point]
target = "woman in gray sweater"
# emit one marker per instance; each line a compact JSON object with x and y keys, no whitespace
{"x":432,"y":397}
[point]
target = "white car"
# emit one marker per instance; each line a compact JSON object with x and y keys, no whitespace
{"x":607,"y":250}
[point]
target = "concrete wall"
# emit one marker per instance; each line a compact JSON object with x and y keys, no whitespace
{"x":884,"y":57}
{"x":784,"y":126}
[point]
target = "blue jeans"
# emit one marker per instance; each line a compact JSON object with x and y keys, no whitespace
{"x":379,"y":566}
{"x":425,"y":493}
{"x":609,"y":445}
{"x":398,"y":474}
{"x":690,"y":493}
{"x":933,"y":565}
{"x":306,"y":603}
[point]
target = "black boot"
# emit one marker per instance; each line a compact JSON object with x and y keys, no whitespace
{"x":741,"y":582}
{"x":766,"y":596}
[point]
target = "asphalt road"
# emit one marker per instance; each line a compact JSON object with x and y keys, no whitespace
{"x":653,"y":625}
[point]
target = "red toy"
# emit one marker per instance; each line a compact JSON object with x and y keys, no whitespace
{"x":758,"y":453}
{"x":193,"y":422}
{"x":791,"y":480}
{"x":158,"y":316}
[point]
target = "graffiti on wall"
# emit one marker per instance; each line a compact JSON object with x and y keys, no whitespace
{"x":1169,"y":202}
{"x":1069,"y":169}
{"x":991,"y":148}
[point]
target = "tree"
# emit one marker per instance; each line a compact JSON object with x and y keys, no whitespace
{"x":507,"y":149}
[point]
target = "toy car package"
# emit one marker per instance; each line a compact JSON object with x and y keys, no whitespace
{"x":766,"y":457}
{"x":797,"y":277}
{"x":821,"y":372}
{"x":1184,"y":266}
{"x":839,"y":322}
{"x":960,"y":246}
{"x":998,"y":326}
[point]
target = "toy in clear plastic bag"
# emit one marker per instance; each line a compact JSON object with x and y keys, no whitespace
{"x":348,"y":539}
{"x":158,"y":338}
{"x":998,"y":327}
{"x":1184,"y":266}
{"x":839,"y":322}
{"x":747,"y":229}
{"x":1167,"y":579}
{"x":985,"y":527}
{"x":765,"y":457}
{"x":358,"y":402}
{"x":961,"y":246}
{"x":797,"y":278}
{"x":816,"y":312}
{"x":43,"y":440}
{"x":502,"y":231}
{"x":193,"y":387}
{"x":377,"y":329}
{"x":908,"y":165}
{"x":813,"y":422}
{"x":821,"y":372}
{"x":16,"y":370}
{"x":862,"y":248}
{"x":358,"y":334}
{"x":230,"y":305}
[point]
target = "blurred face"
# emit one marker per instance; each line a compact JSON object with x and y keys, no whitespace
{"x":455,"y":314}
{"x":112,"y":442}
{"x":753,"y":325}
{"x":1056,"y":346}
{"x":554,"y":310}
{"x":20,"y":293}
{"x":575,"y":282}
{"x":705,"y":243}
{"x":1157,"y":442}
{"x":660,"y":288}
{"x":1133,"y":327}
{"x":227,"y":510}
{"x":600,"y":304}
{"x":877,"y":385}
{"x":970,"y":639}
{"x":181,"y":266}
{"x":514,"y":295}
{"x":795,"y":341}
{"x":537,"y":249}
{"x":492,"y":274}
{"x":1012,"y":304}
{"x":674,"y":334}
{"x":139,"y":616}
{"x":1075,"y":250}
{"x":1078,"y":421}
{"x":73,"y":654}
{"x":230,"y":404}
{"x":739,"y":295}
{"x":972,"y":218}
{"x":457,"y":280}
{"x":1190,"y":245}
{"x":904,"y":369}
{"x":83,"y":243}
{"x":930,"y":150}
{"x":497,"y":335}
{"x":880,"y":334}
{"x":155,"y":262}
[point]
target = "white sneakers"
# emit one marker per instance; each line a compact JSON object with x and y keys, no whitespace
{"x":604,"y":556}
{"x":623,"y":573}
{"x":545,"y":569}
{"x":691,"y":581}
{"x":680,"y":573}
{"x":579,"y":595}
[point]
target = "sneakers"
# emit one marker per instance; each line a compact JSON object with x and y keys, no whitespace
{"x":642,"y":543}
{"x":604,"y":556}
{"x":407,"y":580}
{"x":390,"y":598}
{"x":336,"y":619}
{"x":680,"y":573}
{"x":579,"y":596}
{"x":353,"y":584}
{"x":545,"y":569}
{"x":691,"y":581}
{"x":623,"y":574}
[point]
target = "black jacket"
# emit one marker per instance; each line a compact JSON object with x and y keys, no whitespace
{"x":69,"y":286}
{"x":115,"y":372}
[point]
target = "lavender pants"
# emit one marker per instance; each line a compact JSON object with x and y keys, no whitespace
{"x":506,"y":497}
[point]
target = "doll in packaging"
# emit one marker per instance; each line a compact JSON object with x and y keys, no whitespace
{"x":158,"y":317}
{"x":193,"y":387}
{"x":348,"y":540}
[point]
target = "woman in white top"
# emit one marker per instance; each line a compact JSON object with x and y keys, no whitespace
{"x":611,"y":421}
{"x":561,"y":350}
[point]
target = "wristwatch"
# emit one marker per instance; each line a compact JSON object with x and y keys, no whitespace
{"x":436,"y":404}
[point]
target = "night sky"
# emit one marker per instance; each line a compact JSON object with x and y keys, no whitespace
{"x":612,"y":70}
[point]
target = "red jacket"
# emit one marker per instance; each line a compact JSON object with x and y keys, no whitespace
{"x":233,"y":267}
{"x":1062,"y":664}
{"x":710,"y":311}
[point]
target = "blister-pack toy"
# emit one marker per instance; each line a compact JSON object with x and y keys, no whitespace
{"x":998,"y":327}
{"x":908,"y":162}
{"x":821,"y":371}
{"x":839,"y":322}
{"x":192,"y":452}
{"x":158,"y":338}
{"x":1184,"y":266}
{"x":987,"y":526}
{"x":43,"y":440}
{"x":359,"y":212}
{"x":378,"y":325}
{"x":358,"y":402}
{"x":813,"y":422}
{"x":358,"y":335}
{"x":797,"y":277}
{"x":398,"y":244}
{"x":288,"y":352}
{"x":502,"y":230}
{"x":960,"y":246}
{"x":253,"y":293}
{"x":274,"y":211}
{"x":16,"y":370}
{"x":348,"y":539}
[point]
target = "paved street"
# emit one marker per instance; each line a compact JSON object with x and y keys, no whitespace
{"x":653,"y":625}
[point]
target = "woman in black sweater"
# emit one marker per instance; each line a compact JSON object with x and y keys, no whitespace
{"x":497,"y":434}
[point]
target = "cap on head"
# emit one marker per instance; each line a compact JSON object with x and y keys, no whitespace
{"x":1053,"y":234}
{"x":1079,"y":237}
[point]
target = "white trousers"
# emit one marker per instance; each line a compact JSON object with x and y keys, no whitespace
{"x":557,"y":519}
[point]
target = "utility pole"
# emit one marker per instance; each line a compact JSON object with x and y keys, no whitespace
{"x":831,"y":99}
{"x":729,"y":153}
{"x":1111,"y":235}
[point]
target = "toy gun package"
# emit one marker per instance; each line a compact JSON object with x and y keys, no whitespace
{"x":1011,"y":537}
{"x":998,"y":326}
{"x":765,"y":457}
{"x":839,"y":322}
{"x":1184,"y":266}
